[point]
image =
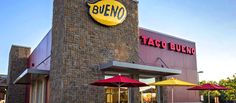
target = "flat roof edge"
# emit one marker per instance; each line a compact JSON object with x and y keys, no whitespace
{"x":175,"y":37}
{"x":30,"y":71}
{"x":118,"y":64}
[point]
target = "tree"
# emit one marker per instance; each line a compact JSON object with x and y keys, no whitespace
{"x":228,"y":95}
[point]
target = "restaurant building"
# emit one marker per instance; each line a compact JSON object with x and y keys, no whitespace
{"x":3,"y":87}
{"x":97,"y":39}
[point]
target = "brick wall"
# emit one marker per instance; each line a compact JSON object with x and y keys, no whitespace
{"x":79,"y":45}
{"x":18,"y":59}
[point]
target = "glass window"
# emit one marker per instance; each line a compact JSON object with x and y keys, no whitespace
{"x":112,"y":94}
{"x":148,"y":94}
{"x":38,"y":91}
{"x":33,"y":92}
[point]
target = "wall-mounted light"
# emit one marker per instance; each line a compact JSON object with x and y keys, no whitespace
{"x":200,"y":72}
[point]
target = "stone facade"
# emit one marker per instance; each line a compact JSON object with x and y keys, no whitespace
{"x":80,"y":45}
{"x":18,"y":61}
{"x":3,"y":87}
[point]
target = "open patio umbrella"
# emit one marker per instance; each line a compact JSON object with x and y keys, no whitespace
{"x":172,"y":82}
{"x":119,"y":81}
{"x":208,"y":87}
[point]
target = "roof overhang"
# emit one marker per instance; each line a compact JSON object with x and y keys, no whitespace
{"x":3,"y":85}
{"x":124,"y":67}
{"x":3,"y":80}
{"x":30,"y":74}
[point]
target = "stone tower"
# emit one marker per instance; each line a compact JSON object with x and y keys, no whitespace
{"x":18,"y":61}
{"x":80,"y":45}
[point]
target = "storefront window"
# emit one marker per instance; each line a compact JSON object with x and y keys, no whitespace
{"x":33,"y":92}
{"x":38,"y":91}
{"x":148,"y":94}
{"x":112,"y":94}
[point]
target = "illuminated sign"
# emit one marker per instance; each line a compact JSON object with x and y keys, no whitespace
{"x":163,"y":45}
{"x":108,"y":12}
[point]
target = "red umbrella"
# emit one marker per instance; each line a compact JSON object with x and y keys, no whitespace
{"x":208,"y":87}
{"x":119,"y":81}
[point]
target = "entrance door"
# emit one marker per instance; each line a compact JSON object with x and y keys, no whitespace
{"x":148,"y":94}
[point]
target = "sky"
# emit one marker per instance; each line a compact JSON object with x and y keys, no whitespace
{"x":209,"y":23}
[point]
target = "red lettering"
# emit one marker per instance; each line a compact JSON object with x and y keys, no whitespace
{"x":172,"y":46}
{"x":150,"y":42}
{"x":163,"y":44}
{"x":193,"y":51}
{"x":143,"y":40}
{"x":157,"y":43}
{"x":189,"y":50}
{"x":183,"y":49}
{"x":178,"y":47}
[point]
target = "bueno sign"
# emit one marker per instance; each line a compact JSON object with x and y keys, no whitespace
{"x":163,"y":44}
{"x":108,"y":12}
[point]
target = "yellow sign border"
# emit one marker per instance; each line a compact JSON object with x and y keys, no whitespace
{"x":102,"y":7}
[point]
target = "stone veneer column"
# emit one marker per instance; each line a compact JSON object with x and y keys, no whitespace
{"x":134,"y":94}
{"x":80,"y":45}
{"x":18,"y":61}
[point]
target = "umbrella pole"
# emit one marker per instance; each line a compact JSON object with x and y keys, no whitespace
{"x":209,"y":97}
{"x":172,"y":94}
{"x":119,"y":95}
